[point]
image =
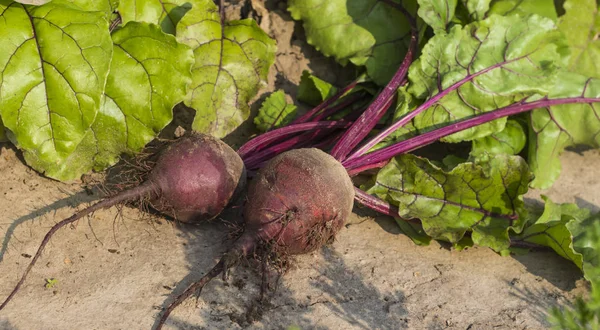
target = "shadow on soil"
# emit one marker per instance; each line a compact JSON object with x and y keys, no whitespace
{"x":333,"y":287}
{"x":70,"y":201}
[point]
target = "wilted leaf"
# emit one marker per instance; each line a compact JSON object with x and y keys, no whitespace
{"x":366,"y":32}
{"x":148,"y":76}
{"x":274,"y":112}
{"x":483,"y":197}
{"x":232,"y":62}
{"x":53,"y":67}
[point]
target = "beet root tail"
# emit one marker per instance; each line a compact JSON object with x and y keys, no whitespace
{"x":124,"y":196}
{"x":195,"y":287}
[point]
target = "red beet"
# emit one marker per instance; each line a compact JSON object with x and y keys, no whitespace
{"x":296,"y":203}
{"x":193,"y":180}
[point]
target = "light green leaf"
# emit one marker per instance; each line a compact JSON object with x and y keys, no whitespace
{"x":105,"y":6}
{"x":50,"y":283}
{"x":166,"y":13}
{"x":53,"y":68}
{"x":483,"y":197}
{"x":581,"y":26}
{"x":476,"y":8}
{"x":544,"y":8}
{"x":491,"y":64}
{"x":148,"y":76}
{"x":274,"y":112}
{"x":366,"y":32}
{"x":313,"y":90}
{"x":568,"y":230}
{"x":511,"y":140}
{"x":437,"y":13}
{"x":232,"y":63}
{"x":556,"y":128}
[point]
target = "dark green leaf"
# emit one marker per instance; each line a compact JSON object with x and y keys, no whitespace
{"x":414,"y":231}
{"x":571,"y":232}
{"x":482,"y":197}
{"x":232,"y":63}
{"x":366,"y":32}
{"x":313,"y":90}
{"x":274,"y":112}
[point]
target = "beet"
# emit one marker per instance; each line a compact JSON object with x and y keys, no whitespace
{"x":196,"y":178}
{"x":192,"y":180}
{"x":296,"y":203}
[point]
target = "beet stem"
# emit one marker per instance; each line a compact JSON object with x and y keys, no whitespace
{"x":375,"y":204}
{"x":127,"y":195}
{"x":325,"y":104}
{"x":193,"y":288}
{"x":375,"y":157}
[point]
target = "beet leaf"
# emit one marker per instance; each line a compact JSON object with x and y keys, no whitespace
{"x":232,"y":63}
{"x":380,"y":35}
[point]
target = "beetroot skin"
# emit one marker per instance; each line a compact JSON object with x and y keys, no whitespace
{"x":296,"y":203}
{"x":193,"y":180}
{"x":300,"y":200}
{"x":196,"y":178}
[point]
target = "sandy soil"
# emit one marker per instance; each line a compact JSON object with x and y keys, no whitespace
{"x":116,"y":270}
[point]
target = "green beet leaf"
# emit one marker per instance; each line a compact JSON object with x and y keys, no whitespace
{"x":523,"y":8}
{"x":274,"y":112}
{"x":167,"y":14}
{"x":3,"y":137}
{"x":405,"y":103}
{"x":53,"y":67}
{"x":568,"y":230}
{"x":476,"y":8}
{"x":367,"y":32}
{"x":556,"y":128}
{"x":581,"y":25}
{"x":313,"y":90}
{"x":511,"y":140}
{"x":105,"y":6}
{"x":232,"y":63}
{"x":484,"y":66}
{"x":414,"y":231}
{"x":149,"y":74}
{"x":437,"y":13}
{"x":482,"y":197}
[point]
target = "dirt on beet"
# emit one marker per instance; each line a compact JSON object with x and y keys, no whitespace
{"x":118,"y":268}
